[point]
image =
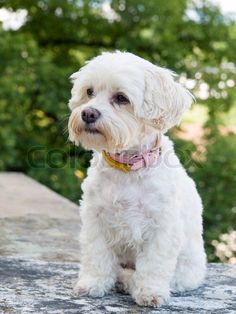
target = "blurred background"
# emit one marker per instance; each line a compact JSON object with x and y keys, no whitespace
{"x":43,"y":42}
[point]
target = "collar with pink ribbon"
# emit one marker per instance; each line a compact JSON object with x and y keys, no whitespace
{"x":127,"y":162}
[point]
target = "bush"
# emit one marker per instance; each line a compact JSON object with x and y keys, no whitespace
{"x":215,"y":176}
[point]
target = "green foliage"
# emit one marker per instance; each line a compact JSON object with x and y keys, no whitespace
{"x":216,"y":182}
{"x":58,"y":36}
{"x":214,"y":172}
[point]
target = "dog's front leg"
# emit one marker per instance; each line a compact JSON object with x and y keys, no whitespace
{"x":155,"y":267}
{"x":98,"y":264}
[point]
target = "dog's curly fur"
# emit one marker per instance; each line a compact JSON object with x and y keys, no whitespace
{"x":150,"y":219}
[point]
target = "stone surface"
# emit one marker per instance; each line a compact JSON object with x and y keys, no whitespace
{"x":39,"y":254}
{"x":28,"y":286}
{"x":35,"y":221}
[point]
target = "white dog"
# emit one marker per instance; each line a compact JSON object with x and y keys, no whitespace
{"x":141,"y":213}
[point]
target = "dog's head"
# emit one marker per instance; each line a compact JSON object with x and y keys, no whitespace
{"x":118,"y":99}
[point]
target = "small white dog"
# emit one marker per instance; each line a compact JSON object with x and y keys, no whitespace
{"x":141,"y":213}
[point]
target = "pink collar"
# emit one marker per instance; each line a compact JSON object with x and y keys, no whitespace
{"x":127,"y":162}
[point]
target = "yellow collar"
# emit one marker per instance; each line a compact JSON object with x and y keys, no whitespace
{"x":135,"y":162}
{"x":115,"y":164}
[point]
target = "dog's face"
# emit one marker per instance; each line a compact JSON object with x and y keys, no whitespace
{"x":119,"y":99}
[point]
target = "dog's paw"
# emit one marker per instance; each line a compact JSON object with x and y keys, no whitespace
{"x":124,"y":280}
{"x":122,"y":287}
{"x":93,"y":289}
{"x":144,"y":297}
{"x":151,"y":300}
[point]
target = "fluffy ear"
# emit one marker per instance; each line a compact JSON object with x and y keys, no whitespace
{"x":77,"y":91}
{"x":165,"y":100}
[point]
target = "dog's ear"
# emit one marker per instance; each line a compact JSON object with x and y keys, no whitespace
{"x":76,"y":91}
{"x":165,"y":100}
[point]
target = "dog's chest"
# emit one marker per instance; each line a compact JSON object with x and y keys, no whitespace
{"x":124,"y":208}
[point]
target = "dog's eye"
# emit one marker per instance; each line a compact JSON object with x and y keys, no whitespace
{"x":90,"y":92}
{"x":121,"y":99}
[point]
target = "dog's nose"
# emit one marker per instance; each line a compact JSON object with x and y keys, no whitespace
{"x":90,"y":115}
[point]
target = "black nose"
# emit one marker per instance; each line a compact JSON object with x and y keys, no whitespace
{"x":90,"y":115}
